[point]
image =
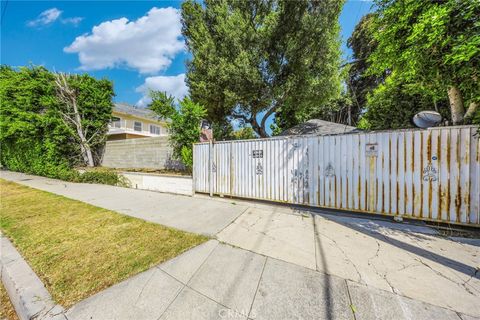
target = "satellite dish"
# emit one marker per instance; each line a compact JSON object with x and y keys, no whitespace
{"x":427,"y":119}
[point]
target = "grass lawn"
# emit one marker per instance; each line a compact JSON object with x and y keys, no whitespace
{"x":78,"y":249}
{"x":7,"y":312}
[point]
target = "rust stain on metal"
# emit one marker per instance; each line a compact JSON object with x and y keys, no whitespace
{"x":467,"y":150}
{"x":398,"y":170}
{"x":325,"y":192}
{"x":467,"y":202}
{"x":390,"y":156}
{"x":458,"y":200}
{"x":359,"y":189}
{"x":478,"y":152}
{"x":340,"y":197}
{"x":430,"y":199}
{"x":398,"y":190}
{"x":366,"y":194}
{"x":449,"y":142}
{"x":414,"y":189}
{"x":371,"y":178}
{"x":439,"y":158}
{"x":429,"y":157}
{"x":383,"y":183}
{"x":421,"y":168}
{"x":412,"y":163}
{"x":429,"y":145}
{"x":383,"y":199}
{"x":449,"y":200}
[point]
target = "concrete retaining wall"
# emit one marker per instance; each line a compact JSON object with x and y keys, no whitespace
{"x":163,"y":183}
{"x":151,"y":153}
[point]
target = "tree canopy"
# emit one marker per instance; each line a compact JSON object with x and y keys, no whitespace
{"x":434,"y":48}
{"x":359,"y":83}
{"x":184,"y":124}
{"x":255,"y":59}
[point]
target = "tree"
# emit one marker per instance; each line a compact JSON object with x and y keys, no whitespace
{"x":337,"y":110}
{"x":433,"y":45}
{"x":33,"y":136}
{"x":71,"y":116}
{"x":184,"y":125}
{"x":85,"y":106}
{"x":252,"y":60}
{"x":245,"y":133}
{"x":394,"y":102}
{"x":359,"y":83}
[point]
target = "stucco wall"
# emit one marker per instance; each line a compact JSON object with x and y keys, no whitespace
{"x":148,"y":153}
{"x":163,"y":183}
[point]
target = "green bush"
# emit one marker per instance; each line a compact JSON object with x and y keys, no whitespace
{"x":103,"y":176}
{"x":187,"y":157}
{"x":32,"y":158}
{"x":33,"y":137}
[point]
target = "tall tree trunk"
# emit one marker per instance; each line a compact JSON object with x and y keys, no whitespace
{"x":86,"y":151}
{"x":83,"y":141}
{"x":260,"y":130}
{"x":472,"y":108}
{"x":456,"y":105}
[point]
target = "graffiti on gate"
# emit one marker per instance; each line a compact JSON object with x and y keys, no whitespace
{"x":429,"y":173}
{"x":329,"y":170}
{"x":259,"y":169}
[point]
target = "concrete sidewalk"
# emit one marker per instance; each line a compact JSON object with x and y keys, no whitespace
{"x":285,"y":263}
{"x":217,"y":281}
{"x":203,"y":216}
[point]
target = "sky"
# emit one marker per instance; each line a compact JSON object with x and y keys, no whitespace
{"x":136,"y":44}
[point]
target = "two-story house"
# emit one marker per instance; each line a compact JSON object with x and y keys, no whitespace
{"x":130,"y":122}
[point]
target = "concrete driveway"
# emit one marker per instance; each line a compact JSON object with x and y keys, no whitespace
{"x":277,"y":262}
{"x":409,"y":260}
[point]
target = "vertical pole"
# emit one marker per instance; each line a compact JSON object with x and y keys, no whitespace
{"x":194,"y":176}
{"x":231,"y":168}
{"x":210,"y":167}
{"x":349,"y":115}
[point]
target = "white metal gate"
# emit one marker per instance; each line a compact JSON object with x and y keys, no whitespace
{"x":429,"y":174}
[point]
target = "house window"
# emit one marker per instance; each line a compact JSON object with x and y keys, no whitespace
{"x":137,"y":126}
{"x":154,"y":129}
{"x":115,"y":122}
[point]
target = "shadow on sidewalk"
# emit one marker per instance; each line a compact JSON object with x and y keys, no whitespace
{"x":373,"y":230}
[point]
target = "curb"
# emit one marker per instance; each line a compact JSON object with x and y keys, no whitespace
{"x":28,"y":294}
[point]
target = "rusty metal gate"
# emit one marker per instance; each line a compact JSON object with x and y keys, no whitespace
{"x":429,"y":174}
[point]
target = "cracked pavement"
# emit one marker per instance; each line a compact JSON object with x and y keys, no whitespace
{"x":277,"y":262}
{"x":408,"y":260}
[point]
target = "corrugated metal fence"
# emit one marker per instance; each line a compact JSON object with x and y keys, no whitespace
{"x":429,"y":174}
